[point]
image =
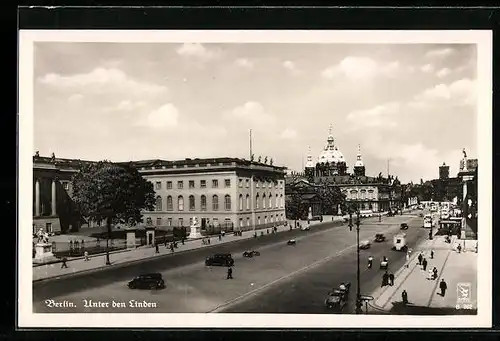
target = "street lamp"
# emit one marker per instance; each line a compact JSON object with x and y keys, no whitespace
{"x":359,"y":304}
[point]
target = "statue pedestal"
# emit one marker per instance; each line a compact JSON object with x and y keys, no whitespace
{"x":131,"y":238}
{"x":195,"y":232}
{"x":43,"y":252}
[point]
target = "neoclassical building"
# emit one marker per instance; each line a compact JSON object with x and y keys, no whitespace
{"x":228,"y":193}
{"x":331,"y":168}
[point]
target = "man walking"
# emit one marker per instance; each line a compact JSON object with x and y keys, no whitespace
{"x":420,"y":258}
{"x":407,"y":259}
{"x":385,"y":279}
{"x":157,"y":249}
{"x":391,"y":279}
{"x":443,"y":287}
{"x":432,"y":254}
{"x":64,"y":265}
{"x":86,"y":255}
{"x":404,"y":296}
{"x":424,"y":264}
{"x":229,"y":273}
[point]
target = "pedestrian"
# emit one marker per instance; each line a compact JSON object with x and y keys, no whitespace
{"x":459,"y":248}
{"x":420,"y":259}
{"x":229,"y":273}
{"x":171,"y":247}
{"x":443,"y":287}
{"x":385,"y":278}
{"x":432,"y":254}
{"x":64,"y":265}
{"x":434,"y":273}
{"x":407,"y":259}
{"x":86,"y":255}
{"x":424,"y":264}
{"x":391,"y":279}
{"x":208,"y":241}
{"x":404,"y":296}
{"x":431,"y":275}
{"x":220,"y":237}
{"x":182,"y":240}
{"x":166,"y":244}
{"x":157,"y":248}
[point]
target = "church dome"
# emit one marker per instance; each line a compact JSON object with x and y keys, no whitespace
{"x":330,"y":152}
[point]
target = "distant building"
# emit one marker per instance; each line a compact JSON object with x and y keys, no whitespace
{"x":444,"y":172}
{"x":227,"y":193}
{"x":331,"y":169}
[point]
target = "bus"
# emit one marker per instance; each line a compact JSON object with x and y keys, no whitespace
{"x":428,"y":222}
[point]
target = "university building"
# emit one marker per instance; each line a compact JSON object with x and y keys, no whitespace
{"x":226,"y":193}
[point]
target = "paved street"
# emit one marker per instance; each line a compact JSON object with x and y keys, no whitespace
{"x":281,"y":275}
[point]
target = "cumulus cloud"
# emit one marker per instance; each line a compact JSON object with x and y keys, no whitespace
{"x":101,"y":81}
{"x":288,"y":134}
{"x":439,"y":53}
{"x":379,"y":116}
{"x":361,"y":68}
{"x":443,"y":72}
{"x":164,"y":117}
{"x":427,"y":68}
{"x":244,"y":63}
{"x":291,"y":67}
{"x":251,"y":113}
{"x":462,"y":92}
{"x":197,"y":50}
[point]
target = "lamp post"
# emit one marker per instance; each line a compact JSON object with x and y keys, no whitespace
{"x":359,"y":304}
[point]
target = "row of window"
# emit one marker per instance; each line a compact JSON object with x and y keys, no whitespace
{"x":278,"y":202}
{"x":227,"y":221}
{"x":363,"y":194}
{"x":215,"y":184}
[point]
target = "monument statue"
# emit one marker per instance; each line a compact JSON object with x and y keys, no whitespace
{"x":265,"y":160}
{"x":195,"y":229}
{"x":53,"y":157}
{"x":260,"y":158}
{"x":252,"y":157}
{"x":271,"y":161}
{"x":37,"y":154}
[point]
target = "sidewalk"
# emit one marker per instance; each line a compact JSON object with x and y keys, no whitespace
{"x":76,"y":265}
{"x":423,"y":296}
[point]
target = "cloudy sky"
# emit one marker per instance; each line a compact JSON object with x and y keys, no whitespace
{"x":412,"y":104}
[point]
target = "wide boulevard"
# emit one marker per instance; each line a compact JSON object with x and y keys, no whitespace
{"x":283,"y":279}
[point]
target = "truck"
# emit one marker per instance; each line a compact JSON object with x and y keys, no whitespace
{"x":399,"y":242}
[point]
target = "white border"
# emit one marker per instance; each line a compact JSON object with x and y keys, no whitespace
{"x":26,"y":318}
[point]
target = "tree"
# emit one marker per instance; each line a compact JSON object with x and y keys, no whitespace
{"x":331,"y":197}
{"x":113,"y":193}
{"x":295,"y":207}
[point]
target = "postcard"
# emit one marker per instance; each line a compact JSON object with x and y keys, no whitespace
{"x":255,"y":179}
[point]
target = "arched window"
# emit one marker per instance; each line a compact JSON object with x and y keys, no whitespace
{"x":227,"y":202}
{"x":363,"y":194}
{"x":248,"y":201}
{"x":264,"y":200}
{"x":277,"y":202}
{"x":257,"y":198}
{"x":180,"y":203}
{"x":158,"y":203}
{"x":241,"y":202}
{"x":203,"y":203}
{"x":270,"y":200}
{"x":192,"y":204}
{"x":282,"y":201}
{"x":215,"y":203}
{"x":170,"y":203}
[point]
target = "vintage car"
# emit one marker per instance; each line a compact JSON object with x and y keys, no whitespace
{"x":384,"y":263}
{"x":337,"y":298}
{"x":291,"y":242}
{"x":404,"y":226}
{"x":220,"y":259}
{"x":250,"y":254}
{"x":365,"y":244}
{"x":147,"y":281}
{"x":379,"y":237}
{"x":305,"y":228}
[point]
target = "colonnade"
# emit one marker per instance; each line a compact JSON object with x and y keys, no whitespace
{"x":53,"y":197}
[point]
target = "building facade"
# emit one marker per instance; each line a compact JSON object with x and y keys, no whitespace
{"x":224,"y":193}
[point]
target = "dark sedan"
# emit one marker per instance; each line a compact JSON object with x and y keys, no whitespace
{"x":250,"y":254}
{"x":147,"y":281}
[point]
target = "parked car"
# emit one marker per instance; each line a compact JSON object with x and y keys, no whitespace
{"x":337,"y":298}
{"x":291,"y":242}
{"x":305,"y":228}
{"x":250,"y":254}
{"x":379,"y":237}
{"x":220,"y":259}
{"x":404,"y":226}
{"x":365,"y":244}
{"x":147,"y":281}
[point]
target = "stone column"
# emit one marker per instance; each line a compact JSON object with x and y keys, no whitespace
{"x":37,"y":197}
{"x":53,"y":202}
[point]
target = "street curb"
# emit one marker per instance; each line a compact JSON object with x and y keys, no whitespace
{"x":59,"y":260}
{"x":127,"y":263}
